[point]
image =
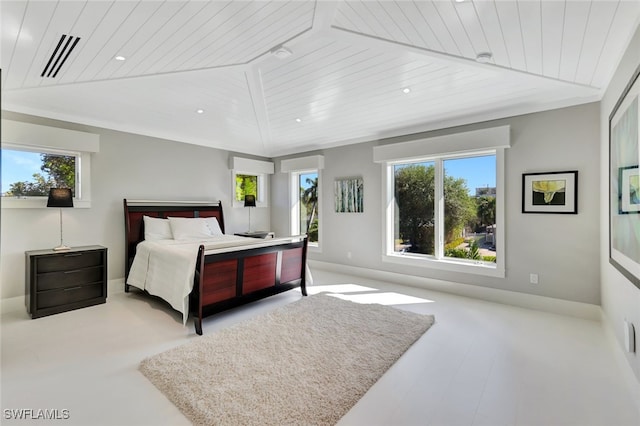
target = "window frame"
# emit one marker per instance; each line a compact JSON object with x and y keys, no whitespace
{"x":81,"y":197}
{"x":262,"y":200}
{"x":457,"y":145}
{"x":39,"y":138}
{"x":259,"y":168}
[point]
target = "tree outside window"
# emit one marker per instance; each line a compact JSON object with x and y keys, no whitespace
{"x":246,"y":185}
{"x":56,"y":171}
{"x":309,"y":205}
{"x":469,"y":219}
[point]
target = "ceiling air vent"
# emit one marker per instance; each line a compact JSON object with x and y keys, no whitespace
{"x":60,"y":55}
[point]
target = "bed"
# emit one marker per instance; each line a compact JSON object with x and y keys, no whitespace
{"x":196,"y":267}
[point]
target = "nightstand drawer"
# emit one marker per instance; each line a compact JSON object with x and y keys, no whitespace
{"x":66,"y":279}
{"x":51,"y":298}
{"x":69,"y":261}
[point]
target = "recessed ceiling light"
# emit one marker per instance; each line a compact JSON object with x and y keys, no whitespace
{"x":460,"y":1}
{"x":281,"y":52}
{"x":298,"y":120}
{"x":120,"y":58}
{"x":484,"y":57}
{"x":406,"y":90}
{"x":200,"y":111}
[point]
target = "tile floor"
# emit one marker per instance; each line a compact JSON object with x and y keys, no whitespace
{"x":481,"y":363}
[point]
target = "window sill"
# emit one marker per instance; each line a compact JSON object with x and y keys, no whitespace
{"x":37,"y":203}
{"x":480,"y":268}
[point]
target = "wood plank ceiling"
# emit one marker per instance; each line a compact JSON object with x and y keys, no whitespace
{"x":358,"y":70}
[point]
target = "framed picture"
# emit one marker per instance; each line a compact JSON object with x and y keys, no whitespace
{"x":628,"y":190}
{"x":550,"y":192}
{"x":624,"y":185}
{"x":349,"y":195}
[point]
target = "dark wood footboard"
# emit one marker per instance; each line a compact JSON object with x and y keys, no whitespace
{"x":226,"y":280}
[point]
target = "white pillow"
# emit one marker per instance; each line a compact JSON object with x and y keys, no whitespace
{"x":214,"y":225}
{"x":156,"y":228}
{"x":189,"y":228}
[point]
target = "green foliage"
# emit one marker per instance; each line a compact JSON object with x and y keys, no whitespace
{"x":415,"y":193}
{"x":59,"y":171}
{"x":489,"y":259}
{"x":454,"y":243}
{"x":474,"y":251}
{"x":486,"y":208}
{"x":246,"y":185}
{"x":456,"y":252}
{"x":309,"y":200}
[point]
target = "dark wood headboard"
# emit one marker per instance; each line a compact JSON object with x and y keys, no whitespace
{"x":134,"y":210}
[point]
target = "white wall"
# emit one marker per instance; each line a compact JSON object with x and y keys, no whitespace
{"x":620,"y":298}
{"x":562,"y":249}
{"x":127,"y":166}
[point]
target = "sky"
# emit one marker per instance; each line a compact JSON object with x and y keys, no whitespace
{"x":18,"y":166}
{"x":479,"y":172}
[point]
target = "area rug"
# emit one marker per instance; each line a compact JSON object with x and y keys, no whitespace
{"x":306,"y":363}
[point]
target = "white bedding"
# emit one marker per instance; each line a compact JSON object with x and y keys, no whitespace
{"x":166,"y":268}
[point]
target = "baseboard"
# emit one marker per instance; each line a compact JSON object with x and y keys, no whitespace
{"x":12,"y":304}
{"x":115,"y":286}
{"x":523,"y":300}
{"x":633,"y":382}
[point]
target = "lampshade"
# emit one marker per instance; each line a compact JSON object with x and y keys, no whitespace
{"x":249,"y":200}
{"x":60,"y":197}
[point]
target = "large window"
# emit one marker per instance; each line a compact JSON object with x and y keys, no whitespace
{"x":444,"y":209}
{"x":444,"y":204}
{"x":27,"y":173}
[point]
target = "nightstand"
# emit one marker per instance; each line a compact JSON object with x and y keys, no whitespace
{"x":59,"y":281}
{"x":256,"y":234}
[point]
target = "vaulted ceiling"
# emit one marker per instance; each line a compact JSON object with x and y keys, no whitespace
{"x":214,"y":73}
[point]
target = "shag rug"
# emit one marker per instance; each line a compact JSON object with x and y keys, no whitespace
{"x":306,"y":363}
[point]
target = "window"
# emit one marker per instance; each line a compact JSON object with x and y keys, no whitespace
{"x":444,"y":209}
{"x":36,"y":158}
{"x":469,"y":219}
{"x":307,"y":221}
{"x":305,"y":195}
{"x":250,"y":177}
{"x":27,"y":173}
{"x":246,"y":185}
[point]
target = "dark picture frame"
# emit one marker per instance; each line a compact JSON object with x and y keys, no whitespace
{"x":550,"y":192}
{"x":624,"y":202}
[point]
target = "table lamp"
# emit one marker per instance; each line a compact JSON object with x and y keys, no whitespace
{"x":60,"y":197}
{"x":249,"y":201}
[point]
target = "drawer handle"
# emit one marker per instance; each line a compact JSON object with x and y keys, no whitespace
{"x":73,"y":288}
{"x":73,"y":255}
{"x":74,"y":271}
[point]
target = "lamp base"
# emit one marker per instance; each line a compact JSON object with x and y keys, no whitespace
{"x":62,"y":247}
